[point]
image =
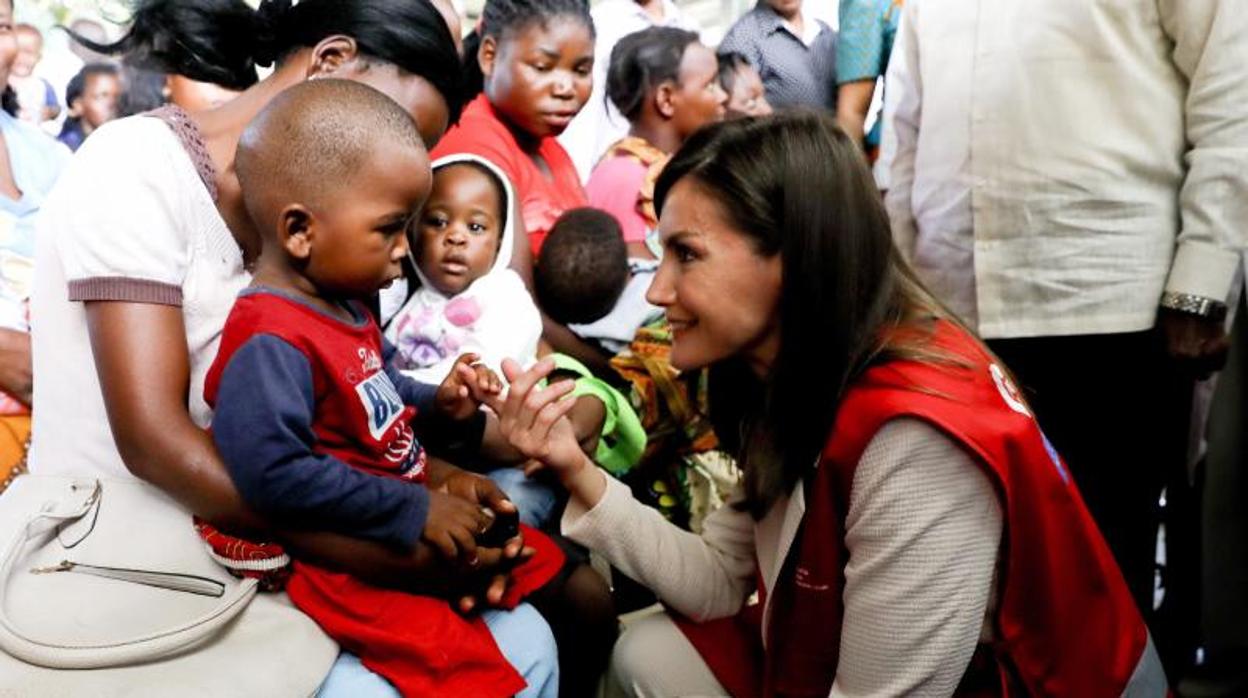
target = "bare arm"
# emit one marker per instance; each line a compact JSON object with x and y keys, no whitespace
{"x":853,"y":100}
{"x":15,"y":370}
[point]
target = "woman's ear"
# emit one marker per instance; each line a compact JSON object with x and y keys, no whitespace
{"x":664,"y":99}
{"x":487,"y":55}
{"x":331,"y":54}
{"x":296,"y":230}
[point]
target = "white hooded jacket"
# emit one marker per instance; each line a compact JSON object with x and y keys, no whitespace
{"x":494,"y":316}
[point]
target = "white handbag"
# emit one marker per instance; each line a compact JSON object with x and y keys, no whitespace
{"x":105,"y":587}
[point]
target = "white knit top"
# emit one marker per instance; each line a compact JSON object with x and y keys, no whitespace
{"x":133,"y":218}
{"x":923,"y":532}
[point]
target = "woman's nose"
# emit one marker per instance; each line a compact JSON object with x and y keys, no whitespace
{"x":662,"y":291}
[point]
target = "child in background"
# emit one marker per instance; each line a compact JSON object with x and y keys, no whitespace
{"x":584,"y":275}
{"x":312,"y":418}
{"x":746,"y":96}
{"x":35,"y":97}
{"x":469,"y":300}
{"x":586,"y":280}
{"x":92,"y":96}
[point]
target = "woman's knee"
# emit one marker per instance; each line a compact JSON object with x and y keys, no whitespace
{"x":652,"y":658}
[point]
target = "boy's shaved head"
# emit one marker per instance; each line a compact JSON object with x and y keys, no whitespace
{"x":309,"y":142}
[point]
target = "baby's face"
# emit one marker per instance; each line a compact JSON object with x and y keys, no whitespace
{"x":458,"y":232}
{"x":748,"y":97}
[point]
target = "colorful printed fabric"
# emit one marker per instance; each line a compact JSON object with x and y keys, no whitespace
{"x":682,"y":473}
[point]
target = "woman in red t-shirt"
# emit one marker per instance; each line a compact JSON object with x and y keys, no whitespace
{"x":534,"y":61}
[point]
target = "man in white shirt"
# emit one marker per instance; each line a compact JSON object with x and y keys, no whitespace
{"x":599,"y":124}
{"x":1071,"y":178}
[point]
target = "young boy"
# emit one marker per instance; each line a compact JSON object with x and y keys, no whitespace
{"x":312,"y":419}
{"x":587,"y":281}
{"x":36,"y":99}
{"x":92,"y":96}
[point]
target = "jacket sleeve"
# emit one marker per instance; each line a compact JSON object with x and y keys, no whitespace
{"x":702,"y":577}
{"x":903,"y":78}
{"x":1210,"y":51}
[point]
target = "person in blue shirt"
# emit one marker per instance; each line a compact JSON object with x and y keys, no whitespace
{"x":30,"y":162}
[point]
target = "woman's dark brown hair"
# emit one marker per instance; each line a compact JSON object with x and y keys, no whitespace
{"x":798,"y":187}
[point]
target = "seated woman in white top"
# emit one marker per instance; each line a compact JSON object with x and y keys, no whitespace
{"x":904,"y":522}
{"x":142,"y":249}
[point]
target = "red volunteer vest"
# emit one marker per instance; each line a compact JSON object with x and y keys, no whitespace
{"x":1065,"y":623}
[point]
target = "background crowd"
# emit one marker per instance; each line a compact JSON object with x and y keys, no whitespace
{"x":1068,"y":179}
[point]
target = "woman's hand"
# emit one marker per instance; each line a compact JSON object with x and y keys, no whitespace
{"x":532,"y":418}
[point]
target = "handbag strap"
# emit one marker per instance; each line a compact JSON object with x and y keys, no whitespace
{"x":130,"y":650}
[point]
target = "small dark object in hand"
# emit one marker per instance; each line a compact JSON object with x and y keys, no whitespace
{"x":505,"y":527}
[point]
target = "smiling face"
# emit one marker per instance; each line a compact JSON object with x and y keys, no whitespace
{"x":356,"y":236}
{"x":29,"y":47}
{"x":721,"y":297}
{"x":698,"y":98}
{"x":458,"y":234}
{"x":538,"y":76}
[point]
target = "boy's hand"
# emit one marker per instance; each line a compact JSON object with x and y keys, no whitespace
{"x":453,"y":525}
{"x":469,"y":384}
{"x":479,"y":490}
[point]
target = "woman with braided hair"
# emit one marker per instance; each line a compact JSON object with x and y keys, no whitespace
{"x":144,"y":246}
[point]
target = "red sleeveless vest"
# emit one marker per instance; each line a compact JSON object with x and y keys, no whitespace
{"x":1065,"y":623}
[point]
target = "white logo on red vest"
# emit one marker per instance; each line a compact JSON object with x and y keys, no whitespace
{"x":1009,"y":391}
{"x":369,"y":360}
{"x":381,"y":401}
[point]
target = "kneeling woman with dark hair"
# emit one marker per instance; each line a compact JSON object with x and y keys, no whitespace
{"x":144,"y":246}
{"x":906,"y":525}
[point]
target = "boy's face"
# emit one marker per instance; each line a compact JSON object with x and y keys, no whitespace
{"x":747,"y":97}
{"x":98,"y":104}
{"x":458,"y":232}
{"x":357,"y":237}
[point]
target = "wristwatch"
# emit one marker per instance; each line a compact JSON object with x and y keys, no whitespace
{"x":1200,"y":306}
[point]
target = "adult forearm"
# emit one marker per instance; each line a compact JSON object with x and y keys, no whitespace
{"x":852,"y":104}
{"x":15,"y":366}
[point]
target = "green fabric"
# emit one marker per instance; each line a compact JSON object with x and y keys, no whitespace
{"x":623,"y":439}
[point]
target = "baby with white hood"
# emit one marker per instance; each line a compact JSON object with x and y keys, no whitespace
{"x":469,"y":301}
